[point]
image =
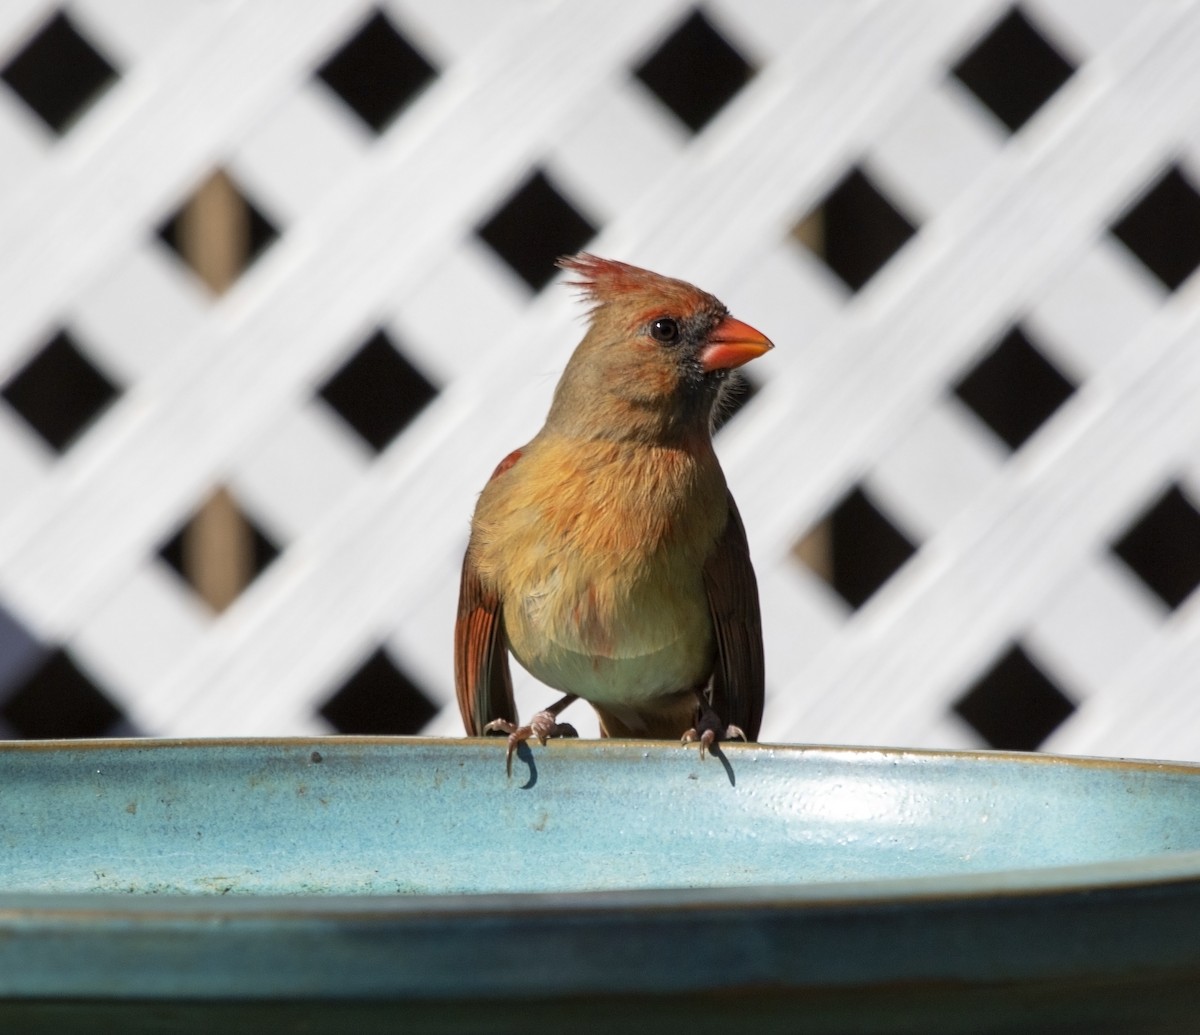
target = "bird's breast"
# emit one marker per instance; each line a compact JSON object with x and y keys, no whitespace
{"x":600,"y":570}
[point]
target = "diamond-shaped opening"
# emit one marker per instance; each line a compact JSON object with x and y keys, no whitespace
{"x":855,"y":229}
{"x":695,"y":71}
{"x":1162,"y":547}
{"x":218,"y":232}
{"x":1014,"y":389}
{"x":377,"y":391}
{"x":1013,"y":69}
{"x":20,"y":652}
{"x":855,"y":548}
{"x":533,"y":227}
{"x":377,"y":72}
{"x":58,"y":73}
{"x":219,"y":550}
{"x":1014,"y":706}
{"x":738,"y":392}
{"x":59,"y":392}
{"x":379,"y":699}
{"x":59,"y":700}
{"x":1162,"y":228}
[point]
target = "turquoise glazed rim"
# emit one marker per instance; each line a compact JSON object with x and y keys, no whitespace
{"x":412,"y":874}
{"x":419,"y":817}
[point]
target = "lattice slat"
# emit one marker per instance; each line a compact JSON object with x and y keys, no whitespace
{"x":1008,"y":249}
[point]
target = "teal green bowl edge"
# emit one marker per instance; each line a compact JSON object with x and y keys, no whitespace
{"x":1121,"y":924}
{"x":1169,"y":868}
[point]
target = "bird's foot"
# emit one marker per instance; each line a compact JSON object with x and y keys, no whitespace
{"x":708,"y":737}
{"x":709,"y":729}
{"x":541,"y":727}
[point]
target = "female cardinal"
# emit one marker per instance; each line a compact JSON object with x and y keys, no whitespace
{"x":607,"y":554}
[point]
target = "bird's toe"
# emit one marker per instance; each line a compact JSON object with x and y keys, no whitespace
{"x":709,"y":730}
{"x":541,"y":727}
{"x":706,"y":739}
{"x":545,"y":724}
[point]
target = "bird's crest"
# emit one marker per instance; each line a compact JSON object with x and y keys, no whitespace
{"x":607,"y":280}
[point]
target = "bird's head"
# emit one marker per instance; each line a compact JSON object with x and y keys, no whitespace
{"x":657,"y":355}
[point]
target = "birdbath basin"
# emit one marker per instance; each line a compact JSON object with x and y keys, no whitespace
{"x":359,"y":884}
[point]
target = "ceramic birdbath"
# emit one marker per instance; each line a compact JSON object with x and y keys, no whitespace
{"x":349,"y":884}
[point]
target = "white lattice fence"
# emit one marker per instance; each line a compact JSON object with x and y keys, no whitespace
{"x":984,"y":394}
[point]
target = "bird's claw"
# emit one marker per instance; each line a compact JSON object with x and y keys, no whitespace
{"x":708,"y":737}
{"x":541,"y":727}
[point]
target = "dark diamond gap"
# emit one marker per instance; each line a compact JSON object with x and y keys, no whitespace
{"x":1014,"y":389}
{"x":376,"y":72}
{"x":1162,"y":547}
{"x":865,"y":548}
{"x":860,"y":229}
{"x":263,"y":550}
{"x":1162,"y":228}
{"x":377,"y":391}
{"x":1014,"y":706}
{"x":58,"y":72}
{"x":59,"y":392}
{"x":1013,"y":70}
{"x":262,"y":232}
{"x":59,"y":700}
{"x":20,"y":652}
{"x":379,"y":699}
{"x":533,"y":227}
{"x":694,"y":71}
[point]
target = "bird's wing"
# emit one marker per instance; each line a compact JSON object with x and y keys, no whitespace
{"x":481,"y":676}
{"x":737,"y":684}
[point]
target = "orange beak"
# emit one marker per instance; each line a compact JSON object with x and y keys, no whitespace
{"x":731,"y":344}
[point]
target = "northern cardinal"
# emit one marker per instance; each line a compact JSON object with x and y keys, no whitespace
{"x":607,"y":554}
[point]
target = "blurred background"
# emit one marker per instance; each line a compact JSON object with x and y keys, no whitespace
{"x":277,"y":293}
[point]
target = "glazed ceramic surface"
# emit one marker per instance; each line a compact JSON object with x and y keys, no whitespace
{"x":410,"y":881}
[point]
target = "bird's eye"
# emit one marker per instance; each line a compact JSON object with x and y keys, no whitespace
{"x":665,"y":329}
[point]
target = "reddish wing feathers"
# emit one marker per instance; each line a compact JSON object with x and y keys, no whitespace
{"x":506,"y":464}
{"x":482,"y":680}
{"x":737,"y":683}
{"x":481,"y":677}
